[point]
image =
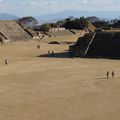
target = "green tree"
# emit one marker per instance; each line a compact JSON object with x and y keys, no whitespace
{"x":81,"y":23}
{"x":55,"y":25}
{"x":45,"y":27}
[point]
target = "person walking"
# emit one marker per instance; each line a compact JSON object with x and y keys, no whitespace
{"x":113,"y":74}
{"x":107,"y":74}
{"x":6,"y":61}
{"x":49,"y":53}
{"x":38,"y":46}
{"x":52,"y":53}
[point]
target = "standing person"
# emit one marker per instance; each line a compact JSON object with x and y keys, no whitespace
{"x":107,"y":74}
{"x":38,"y":46}
{"x":48,"y":52}
{"x":6,"y":61}
{"x":113,"y":74}
{"x":52,"y":53}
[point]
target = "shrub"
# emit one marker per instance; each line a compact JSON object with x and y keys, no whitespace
{"x":45,"y":27}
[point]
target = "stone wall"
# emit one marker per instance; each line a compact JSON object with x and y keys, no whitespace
{"x":104,"y":45}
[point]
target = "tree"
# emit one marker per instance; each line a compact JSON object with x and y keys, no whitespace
{"x":45,"y":27}
{"x":101,"y":24}
{"x":54,"y":25}
{"x":81,"y":23}
{"x":84,"y":23}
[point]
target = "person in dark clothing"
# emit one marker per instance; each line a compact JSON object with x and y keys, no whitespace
{"x":52,"y":53}
{"x":107,"y":74}
{"x":38,"y":46}
{"x":6,"y":61}
{"x":113,"y":74}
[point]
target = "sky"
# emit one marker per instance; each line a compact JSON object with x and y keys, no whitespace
{"x":41,"y":7}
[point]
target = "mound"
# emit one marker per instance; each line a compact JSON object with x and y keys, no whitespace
{"x":100,"y":45}
{"x":12,"y":31}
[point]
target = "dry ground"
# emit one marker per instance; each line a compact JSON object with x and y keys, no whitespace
{"x":56,"y":88}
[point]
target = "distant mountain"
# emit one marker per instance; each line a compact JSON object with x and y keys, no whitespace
{"x":5,"y":16}
{"x":62,"y":15}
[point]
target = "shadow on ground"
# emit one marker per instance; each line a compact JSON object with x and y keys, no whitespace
{"x":56,"y":55}
{"x":102,"y":78}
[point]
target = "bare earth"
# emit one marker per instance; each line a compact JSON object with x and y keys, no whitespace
{"x":56,"y":88}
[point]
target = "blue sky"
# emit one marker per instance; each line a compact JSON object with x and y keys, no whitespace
{"x":40,"y":7}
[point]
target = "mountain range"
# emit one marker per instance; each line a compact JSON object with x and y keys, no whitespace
{"x":107,"y":15}
{"x":5,"y":16}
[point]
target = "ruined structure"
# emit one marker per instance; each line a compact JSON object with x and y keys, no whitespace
{"x":12,"y":31}
{"x":32,"y":33}
{"x":57,"y":29}
{"x":97,"y":45}
{"x":91,"y":27}
{"x":61,"y":33}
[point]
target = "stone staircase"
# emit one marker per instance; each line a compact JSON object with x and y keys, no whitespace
{"x":87,"y":49}
{"x":13,"y":31}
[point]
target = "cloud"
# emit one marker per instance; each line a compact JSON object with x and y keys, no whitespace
{"x":37,"y":7}
{"x":39,"y":3}
{"x":3,"y":6}
{"x":96,"y":5}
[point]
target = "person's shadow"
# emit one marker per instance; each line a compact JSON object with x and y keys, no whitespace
{"x":56,"y":55}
